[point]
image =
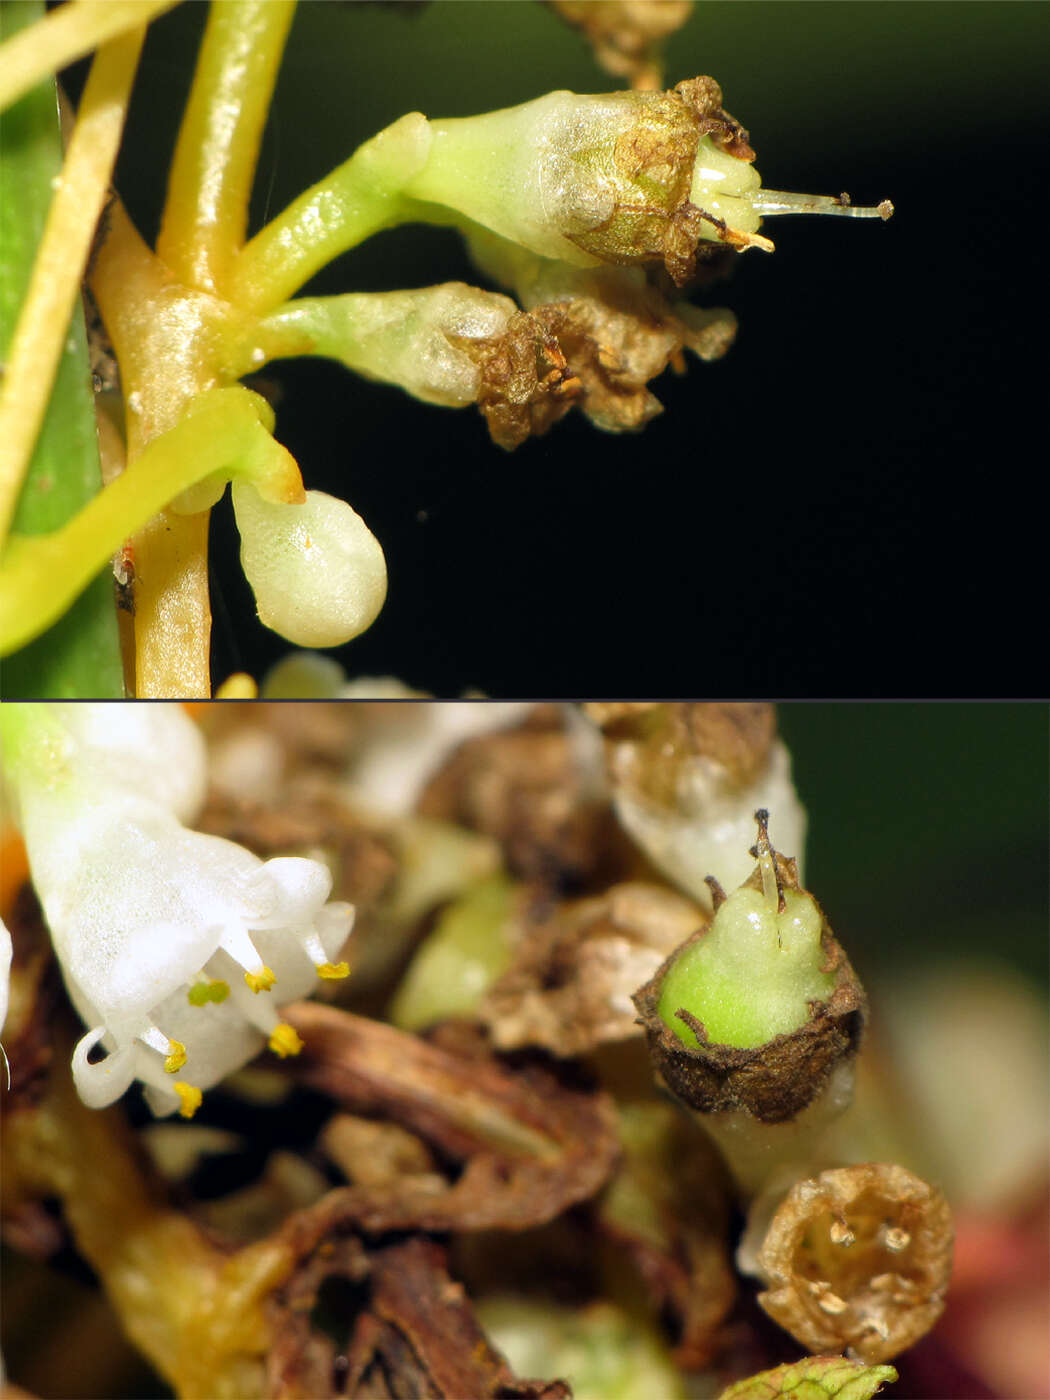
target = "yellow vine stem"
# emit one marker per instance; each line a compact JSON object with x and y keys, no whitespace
{"x":59,"y":266}
{"x":206,"y":212}
{"x":196,"y":1310}
{"x":64,"y":35}
{"x":226,"y":433}
{"x":170,"y":325}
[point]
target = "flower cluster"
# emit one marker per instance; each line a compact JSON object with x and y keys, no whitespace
{"x":170,"y":941}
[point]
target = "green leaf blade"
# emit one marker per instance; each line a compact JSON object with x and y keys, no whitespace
{"x":79,"y":657}
{"x":814,"y":1378}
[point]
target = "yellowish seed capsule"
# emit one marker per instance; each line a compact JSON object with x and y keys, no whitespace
{"x":285,"y":1041}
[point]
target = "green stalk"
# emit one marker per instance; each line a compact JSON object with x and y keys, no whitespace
{"x":206,"y":213}
{"x":226,"y":434}
{"x":354,"y":201}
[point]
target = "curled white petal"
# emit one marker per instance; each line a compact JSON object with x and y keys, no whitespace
{"x":317,"y":571}
{"x":291,"y":883}
{"x":102,"y":1083}
{"x":5,"y":971}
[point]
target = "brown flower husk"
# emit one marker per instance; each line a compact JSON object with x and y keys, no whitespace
{"x":652,"y":165}
{"x":577,"y":965}
{"x":626,"y":35}
{"x":858,"y":1257}
{"x":415,"y":1335}
{"x":773,"y":1082}
{"x":649,"y":742}
{"x":524,"y":788}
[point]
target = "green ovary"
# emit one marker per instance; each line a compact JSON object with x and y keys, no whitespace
{"x":753,"y":974}
{"x":722,"y":185}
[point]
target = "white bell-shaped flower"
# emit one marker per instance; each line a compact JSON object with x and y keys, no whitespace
{"x":174,"y":945}
{"x":317,"y":571}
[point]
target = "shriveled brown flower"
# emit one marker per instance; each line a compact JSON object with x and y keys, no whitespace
{"x":578,"y":964}
{"x":626,"y":35}
{"x":858,"y":1258}
{"x":595,"y":336}
{"x":526,"y":788}
{"x":648,"y":743}
{"x":526,"y":381}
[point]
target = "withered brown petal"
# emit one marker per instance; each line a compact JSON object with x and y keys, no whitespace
{"x":626,"y":34}
{"x":428,"y":1335}
{"x":524,"y":788}
{"x":531,"y":1146}
{"x":577,"y":964}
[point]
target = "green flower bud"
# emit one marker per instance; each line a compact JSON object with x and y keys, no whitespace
{"x":621,"y":178}
{"x":755,"y":1011}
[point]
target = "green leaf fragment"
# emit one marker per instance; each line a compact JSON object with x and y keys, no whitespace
{"x":814,"y":1378}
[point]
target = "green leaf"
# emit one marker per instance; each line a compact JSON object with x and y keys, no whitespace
{"x":813,"y":1378}
{"x":80,"y":655}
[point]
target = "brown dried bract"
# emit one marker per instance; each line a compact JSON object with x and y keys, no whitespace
{"x":526,"y":382}
{"x":532,"y":1146}
{"x":414,"y":1334}
{"x":311,"y":815}
{"x":421,"y":1337}
{"x":614,"y":332}
{"x":773,"y":1082}
{"x":626,"y":35}
{"x":858,"y":1258}
{"x":578,"y":964}
{"x":35,"y":995}
{"x":525,"y":788}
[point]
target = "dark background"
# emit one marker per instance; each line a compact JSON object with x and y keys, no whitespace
{"x":845,"y":505}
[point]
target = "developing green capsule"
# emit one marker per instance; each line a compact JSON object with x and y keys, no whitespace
{"x":755,"y":1011}
{"x":757,"y":968}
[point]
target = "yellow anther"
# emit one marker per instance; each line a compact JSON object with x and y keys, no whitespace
{"x":260,"y":981}
{"x":176,"y":1058}
{"x":239,"y":686}
{"x":333,"y":971}
{"x":285,"y":1041}
{"x":191,"y":1099}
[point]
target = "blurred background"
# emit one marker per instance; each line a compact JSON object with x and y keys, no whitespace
{"x":838,"y":507}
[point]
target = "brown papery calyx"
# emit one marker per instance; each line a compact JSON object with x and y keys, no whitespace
{"x":858,"y":1257}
